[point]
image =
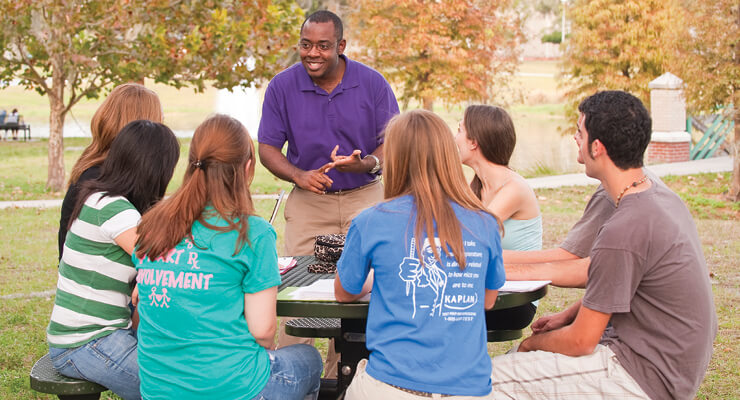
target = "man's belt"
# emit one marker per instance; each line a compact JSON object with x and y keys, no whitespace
{"x":346,"y":191}
{"x":418,"y":393}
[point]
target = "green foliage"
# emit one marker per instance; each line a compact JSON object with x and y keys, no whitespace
{"x":554,"y":37}
{"x":111,"y":41}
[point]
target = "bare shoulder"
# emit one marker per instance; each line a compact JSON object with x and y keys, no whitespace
{"x":518,"y":191}
{"x":518,"y":187}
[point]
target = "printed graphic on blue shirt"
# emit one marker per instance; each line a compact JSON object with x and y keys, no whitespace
{"x":441,"y":291}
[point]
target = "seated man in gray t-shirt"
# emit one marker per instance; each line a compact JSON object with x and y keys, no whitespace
{"x":567,"y":265}
{"x":647,"y":277}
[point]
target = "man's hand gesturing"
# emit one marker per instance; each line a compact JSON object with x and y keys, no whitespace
{"x":350,"y":163}
{"x":316,"y":180}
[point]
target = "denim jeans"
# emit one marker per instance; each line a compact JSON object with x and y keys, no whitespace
{"x":295,"y":374}
{"x":109,"y":361}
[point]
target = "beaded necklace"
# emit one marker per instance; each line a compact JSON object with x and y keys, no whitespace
{"x":631,"y":185}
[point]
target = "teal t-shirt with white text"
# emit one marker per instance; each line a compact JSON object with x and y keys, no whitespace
{"x":194,"y":342}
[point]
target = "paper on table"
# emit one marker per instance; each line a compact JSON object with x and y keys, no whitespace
{"x":323,"y":289}
{"x":286,"y":264}
{"x":523,"y":286}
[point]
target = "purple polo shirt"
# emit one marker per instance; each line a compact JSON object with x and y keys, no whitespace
{"x":312,"y":121}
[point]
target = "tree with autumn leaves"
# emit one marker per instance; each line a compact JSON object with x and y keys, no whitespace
{"x":618,"y":45}
{"x":70,"y":50}
{"x":625,"y":44}
{"x":448,"y":50}
{"x":709,"y":62}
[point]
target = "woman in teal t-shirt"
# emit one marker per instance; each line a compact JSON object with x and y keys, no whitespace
{"x":207,"y":278}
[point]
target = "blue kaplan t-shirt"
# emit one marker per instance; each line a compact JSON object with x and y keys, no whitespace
{"x":194,"y":342}
{"x":426,"y":325}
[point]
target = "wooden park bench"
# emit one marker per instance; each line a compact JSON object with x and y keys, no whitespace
{"x":14,"y":126}
{"x":45,"y":379}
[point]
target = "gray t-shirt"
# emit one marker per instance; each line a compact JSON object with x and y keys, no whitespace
{"x":600,"y":207}
{"x":647,"y":270}
{"x":581,"y":237}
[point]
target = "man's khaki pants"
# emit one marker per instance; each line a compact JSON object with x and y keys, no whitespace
{"x":307,"y":215}
{"x":545,"y":375}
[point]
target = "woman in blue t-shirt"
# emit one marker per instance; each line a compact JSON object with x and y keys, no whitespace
{"x":431,"y":253}
{"x":207,"y":277}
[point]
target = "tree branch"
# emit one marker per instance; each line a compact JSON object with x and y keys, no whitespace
{"x":41,"y":81}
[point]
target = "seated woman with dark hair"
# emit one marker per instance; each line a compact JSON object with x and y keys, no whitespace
{"x":90,"y":334}
{"x":486,"y":140}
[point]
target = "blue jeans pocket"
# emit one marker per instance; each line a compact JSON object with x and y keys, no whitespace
{"x":60,"y":359}
{"x":116,"y":348}
{"x":110,"y":361}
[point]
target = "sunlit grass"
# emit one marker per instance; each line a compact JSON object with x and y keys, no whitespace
{"x":28,"y":257}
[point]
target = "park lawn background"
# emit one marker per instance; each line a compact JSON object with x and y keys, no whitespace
{"x":28,"y":235}
{"x":28,"y":264}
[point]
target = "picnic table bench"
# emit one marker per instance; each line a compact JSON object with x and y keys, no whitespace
{"x":45,"y":379}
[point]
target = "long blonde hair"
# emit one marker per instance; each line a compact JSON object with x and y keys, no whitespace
{"x":125,"y":103}
{"x":217,"y":175}
{"x":422,"y":160}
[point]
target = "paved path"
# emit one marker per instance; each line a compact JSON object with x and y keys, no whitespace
{"x":716,"y":164}
{"x":58,"y":202}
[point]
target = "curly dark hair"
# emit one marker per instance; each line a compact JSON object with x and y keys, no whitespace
{"x":621,"y":123}
{"x":322,"y":16}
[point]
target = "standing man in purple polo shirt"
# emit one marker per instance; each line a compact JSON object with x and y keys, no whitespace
{"x":323,"y":106}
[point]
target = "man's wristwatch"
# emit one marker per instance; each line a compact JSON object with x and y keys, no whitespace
{"x":376,"y":168}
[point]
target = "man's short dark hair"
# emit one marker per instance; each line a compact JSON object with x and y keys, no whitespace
{"x":621,"y":123}
{"x":322,"y":16}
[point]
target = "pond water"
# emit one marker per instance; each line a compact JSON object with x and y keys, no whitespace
{"x":540,"y":145}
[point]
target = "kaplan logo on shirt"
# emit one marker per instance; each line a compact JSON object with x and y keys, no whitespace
{"x":427,"y":283}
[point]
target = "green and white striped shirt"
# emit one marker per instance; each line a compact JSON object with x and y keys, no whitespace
{"x":95,"y":274}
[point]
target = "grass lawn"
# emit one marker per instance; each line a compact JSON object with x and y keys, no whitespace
{"x":28,"y":264}
{"x":183,"y":109}
{"x":24,"y":169}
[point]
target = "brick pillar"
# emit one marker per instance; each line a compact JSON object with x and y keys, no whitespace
{"x":669,"y":141}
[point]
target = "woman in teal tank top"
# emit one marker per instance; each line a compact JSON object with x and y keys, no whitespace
{"x":486,"y":140}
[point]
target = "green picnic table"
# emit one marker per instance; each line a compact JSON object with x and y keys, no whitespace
{"x":345,"y":322}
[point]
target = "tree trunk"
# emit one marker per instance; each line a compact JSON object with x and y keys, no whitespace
{"x":428,"y":103}
{"x":55,"y":177}
{"x":734,"y":194}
